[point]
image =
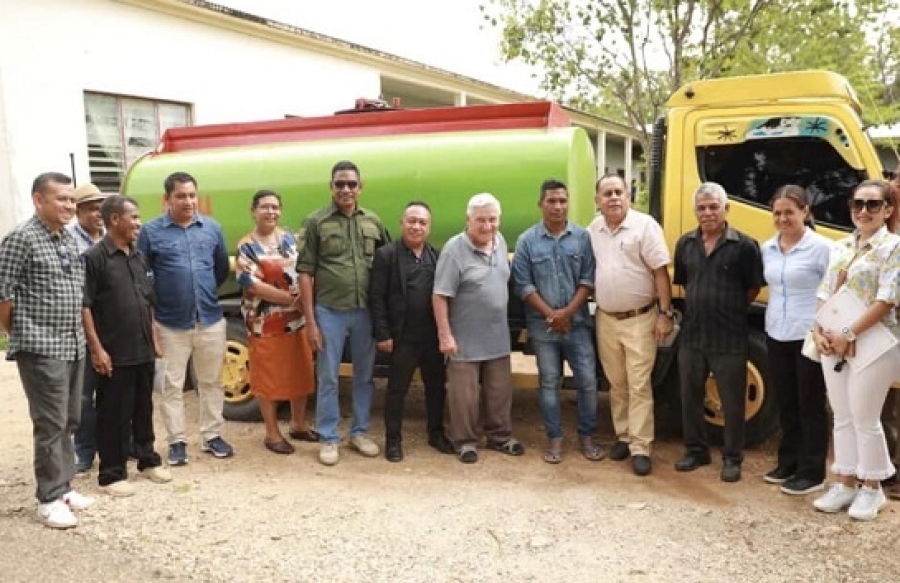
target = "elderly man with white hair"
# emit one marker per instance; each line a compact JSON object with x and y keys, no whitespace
{"x":470,"y":302}
{"x":721,"y":272}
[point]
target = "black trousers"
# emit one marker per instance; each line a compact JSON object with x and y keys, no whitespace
{"x":730,"y":371}
{"x":125,"y":403}
{"x":800,"y":389}
{"x":406,"y":357}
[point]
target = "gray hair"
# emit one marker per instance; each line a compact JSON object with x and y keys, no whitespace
{"x":482,"y":200}
{"x":711,"y":189}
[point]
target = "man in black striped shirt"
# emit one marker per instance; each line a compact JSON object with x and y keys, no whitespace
{"x":721,"y":272}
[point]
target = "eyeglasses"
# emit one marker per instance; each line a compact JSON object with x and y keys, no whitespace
{"x":873,"y":205}
{"x":269,"y":207}
{"x":342,"y":184}
{"x":64,"y":258}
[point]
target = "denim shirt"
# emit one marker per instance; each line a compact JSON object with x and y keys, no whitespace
{"x":188,"y":265}
{"x":554,"y":267}
{"x":793,"y":279}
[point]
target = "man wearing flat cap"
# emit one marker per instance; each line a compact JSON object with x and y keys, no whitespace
{"x":87,"y":229}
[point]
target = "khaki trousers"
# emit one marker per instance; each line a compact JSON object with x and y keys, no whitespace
{"x":471,"y":384}
{"x":207,"y":346}
{"x":627,"y":352}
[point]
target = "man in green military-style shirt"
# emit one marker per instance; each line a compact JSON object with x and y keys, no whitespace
{"x":339,"y":241}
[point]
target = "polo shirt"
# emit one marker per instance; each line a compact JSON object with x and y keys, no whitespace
{"x":41,"y":274}
{"x":118,"y":291}
{"x":715,"y":317}
{"x":477,"y":285}
{"x":337,"y":250}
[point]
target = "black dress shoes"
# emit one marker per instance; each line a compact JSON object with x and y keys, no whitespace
{"x":619,"y":451}
{"x":393,"y":451}
{"x":691,"y":462}
{"x":641,"y":464}
{"x":731,"y":471}
{"x":440,"y":442}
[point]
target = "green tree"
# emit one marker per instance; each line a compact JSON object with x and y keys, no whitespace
{"x":623,"y":58}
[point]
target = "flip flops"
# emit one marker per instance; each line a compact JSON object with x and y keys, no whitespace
{"x":554,"y":453}
{"x":511,"y":446}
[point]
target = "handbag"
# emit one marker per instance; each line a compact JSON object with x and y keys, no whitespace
{"x":810,"y":350}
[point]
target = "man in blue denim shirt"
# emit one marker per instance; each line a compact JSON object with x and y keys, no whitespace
{"x":553,"y":272}
{"x":187,"y":254}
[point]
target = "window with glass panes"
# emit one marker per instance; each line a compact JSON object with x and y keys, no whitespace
{"x":122,"y":129}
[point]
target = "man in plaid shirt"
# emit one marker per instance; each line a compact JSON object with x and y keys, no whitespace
{"x":41,"y":286}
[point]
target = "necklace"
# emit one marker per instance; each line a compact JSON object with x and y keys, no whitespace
{"x":270,"y":242}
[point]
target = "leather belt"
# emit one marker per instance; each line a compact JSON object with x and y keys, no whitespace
{"x":630,"y":313}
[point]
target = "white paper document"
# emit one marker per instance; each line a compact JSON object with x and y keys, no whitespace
{"x":839,"y":312}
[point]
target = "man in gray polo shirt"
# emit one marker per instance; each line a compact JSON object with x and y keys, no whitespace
{"x":470,"y":297}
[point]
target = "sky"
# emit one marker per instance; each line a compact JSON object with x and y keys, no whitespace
{"x":449,"y":34}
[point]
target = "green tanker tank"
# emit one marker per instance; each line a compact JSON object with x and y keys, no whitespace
{"x":442,"y":156}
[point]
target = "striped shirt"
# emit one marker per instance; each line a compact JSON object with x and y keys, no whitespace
{"x":41,"y":274}
{"x":716,"y":286}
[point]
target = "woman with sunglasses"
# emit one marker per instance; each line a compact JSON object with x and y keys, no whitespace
{"x":868,"y":264}
{"x":794,"y":262}
{"x":281,"y":363}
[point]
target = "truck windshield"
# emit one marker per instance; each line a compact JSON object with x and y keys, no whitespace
{"x":752,"y":171}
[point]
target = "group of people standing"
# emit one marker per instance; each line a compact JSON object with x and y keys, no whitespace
{"x":141,"y":297}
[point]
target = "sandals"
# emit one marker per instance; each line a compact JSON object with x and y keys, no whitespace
{"x":553,"y":454}
{"x":310,"y":435}
{"x":468,"y":455}
{"x":510,"y":447}
{"x":591,"y":451}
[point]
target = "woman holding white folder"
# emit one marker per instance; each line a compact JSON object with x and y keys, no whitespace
{"x":867,"y":264}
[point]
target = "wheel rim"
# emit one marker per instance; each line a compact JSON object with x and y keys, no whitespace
{"x":236,"y":373}
{"x":755,"y":397}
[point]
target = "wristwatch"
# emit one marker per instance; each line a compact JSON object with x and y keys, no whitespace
{"x":851,"y":337}
{"x":670,"y":312}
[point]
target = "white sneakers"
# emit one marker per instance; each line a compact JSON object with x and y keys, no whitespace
{"x":77,"y":501}
{"x":56,"y":514}
{"x":864,"y":503}
{"x":329,"y":454}
{"x":365,"y":446}
{"x":867,"y":503}
{"x":157,"y":475}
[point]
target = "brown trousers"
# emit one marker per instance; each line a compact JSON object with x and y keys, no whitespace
{"x":471,"y":385}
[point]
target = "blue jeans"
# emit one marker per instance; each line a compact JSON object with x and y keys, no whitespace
{"x":335,"y":326}
{"x":550,"y":348}
{"x":86,"y":434}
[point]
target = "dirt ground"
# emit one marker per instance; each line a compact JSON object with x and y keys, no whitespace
{"x":261,"y":517}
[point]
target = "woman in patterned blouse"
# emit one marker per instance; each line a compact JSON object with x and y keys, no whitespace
{"x":281,"y":363}
{"x":868,"y":264}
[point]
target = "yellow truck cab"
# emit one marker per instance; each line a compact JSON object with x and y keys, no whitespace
{"x":753,"y":135}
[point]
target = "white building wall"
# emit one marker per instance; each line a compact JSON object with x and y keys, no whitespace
{"x":52,"y":51}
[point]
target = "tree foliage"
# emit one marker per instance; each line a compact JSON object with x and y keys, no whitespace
{"x":623,"y":58}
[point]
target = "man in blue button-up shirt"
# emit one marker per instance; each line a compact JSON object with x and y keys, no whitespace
{"x":187,"y":254}
{"x":553,"y":272}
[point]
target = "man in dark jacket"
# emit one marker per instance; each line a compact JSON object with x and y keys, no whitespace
{"x":401,"y":282}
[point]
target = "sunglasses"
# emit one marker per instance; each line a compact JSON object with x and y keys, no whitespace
{"x":873,"y":205}
{"x":65,"y":259}
{"x":342,"y":184}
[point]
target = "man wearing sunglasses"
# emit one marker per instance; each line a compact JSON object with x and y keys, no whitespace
{"x":41,"y":282}
{"x":339,"y":243}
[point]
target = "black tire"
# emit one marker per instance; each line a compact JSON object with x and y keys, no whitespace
{"x":240,"y":404}
{"x":762,"y":403}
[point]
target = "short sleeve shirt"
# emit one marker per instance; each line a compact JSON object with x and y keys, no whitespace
{"x":716,"y":286}
{"x":477,"y":287}
{"x":874,"y":274}
{"x":40,"y":272}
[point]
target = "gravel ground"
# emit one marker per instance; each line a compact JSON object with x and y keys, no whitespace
{"x":260,"y":517}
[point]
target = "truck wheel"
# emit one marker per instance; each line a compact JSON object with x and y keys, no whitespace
{"x":761,"y":406}
{"x":240,"y":404}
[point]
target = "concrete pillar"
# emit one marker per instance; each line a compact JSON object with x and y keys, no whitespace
{"x":629,"y":145}
{"x":600,"y":151}
{"x":459,"y":100}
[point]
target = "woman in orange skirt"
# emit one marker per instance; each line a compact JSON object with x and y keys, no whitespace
{"x":281,"y":362}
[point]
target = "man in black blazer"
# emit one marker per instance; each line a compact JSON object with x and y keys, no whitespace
{"x":401,"y":284}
